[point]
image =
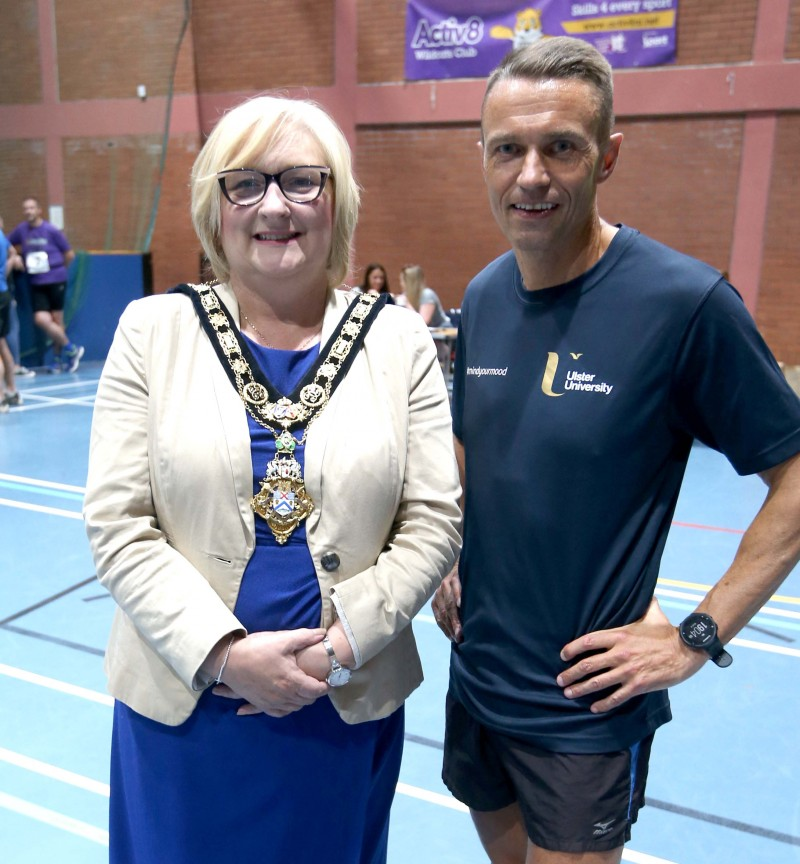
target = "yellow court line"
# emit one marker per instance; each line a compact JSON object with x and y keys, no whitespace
{"x":779,"y":598}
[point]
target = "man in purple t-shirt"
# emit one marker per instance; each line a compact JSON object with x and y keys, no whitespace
{"x":47,"y":254}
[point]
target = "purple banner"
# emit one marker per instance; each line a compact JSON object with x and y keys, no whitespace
{"x":457,"y":39}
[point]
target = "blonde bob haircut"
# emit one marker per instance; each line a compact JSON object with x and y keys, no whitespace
{"x":240,"y":139}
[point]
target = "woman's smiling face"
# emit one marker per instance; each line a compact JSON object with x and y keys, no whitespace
{"x":276,"y":238}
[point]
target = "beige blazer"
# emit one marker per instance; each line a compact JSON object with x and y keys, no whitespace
{"x":168,"y":514}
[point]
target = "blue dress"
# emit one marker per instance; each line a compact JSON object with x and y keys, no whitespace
{"x":221,"y":788}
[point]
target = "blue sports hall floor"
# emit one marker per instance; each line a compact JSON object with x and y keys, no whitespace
{"x":724,"y":782}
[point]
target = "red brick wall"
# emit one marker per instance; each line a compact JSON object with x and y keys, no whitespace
{"x":22,"y":173}
{"x":778,"y":313}
{"x":106,"y":48}
{"x":109,"y":190}
{"x":424,"y":202}
{"x":793,"y":36}
{"x":176,"y":249}
{"x":381,"y":31}
{"x":20,"y":77}
{"x":715,"y":32}
{"x":256,"y":45}
{"x":676,"y":180}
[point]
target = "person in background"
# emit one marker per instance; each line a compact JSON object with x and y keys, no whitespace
{"x":376,"y":281}
{"x":46,"y":254}
{"x":13,"y":327}
{"x":591,"y":357}
{"x":272,"y":497}
{"x":8,"y":256}
{"x":418,"y":296}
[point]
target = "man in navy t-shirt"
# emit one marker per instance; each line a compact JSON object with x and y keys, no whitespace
{"x":589,"y":359}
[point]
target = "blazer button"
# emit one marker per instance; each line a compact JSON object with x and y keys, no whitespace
{"x":330,"y":562}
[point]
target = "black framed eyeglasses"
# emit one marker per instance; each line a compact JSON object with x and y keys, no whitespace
{"x":300,"y":184}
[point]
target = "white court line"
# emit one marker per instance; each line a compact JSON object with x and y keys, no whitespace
{"x":641,"y":858}
{"x":54,"y":819}
{"x":45,"y":484}
{"x":36,"y":389}
{"x":451,"y":803}
{"x":432,"y":797}
{"x":54,"y":772}
{"x":40,"y":403}
{"x":765,"y":610}
{"x":55,"y":684}
{"x":44,"y":815}
{"x":39,"y":508}
{"x":58,"y":820}
{"x":761,"y":646}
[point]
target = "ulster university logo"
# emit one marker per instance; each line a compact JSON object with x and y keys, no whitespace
{"x":571,"y":379}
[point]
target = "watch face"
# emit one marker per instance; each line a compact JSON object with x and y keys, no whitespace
{"x":338,"y":677}
{"x":698,"y":630}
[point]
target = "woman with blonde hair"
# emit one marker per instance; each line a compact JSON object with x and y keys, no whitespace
{"x":272,"y":497}
{"x":416,"y":295}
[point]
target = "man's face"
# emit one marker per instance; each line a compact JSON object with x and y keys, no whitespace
{"x":31,"y":210}
{"x":542,"y":162}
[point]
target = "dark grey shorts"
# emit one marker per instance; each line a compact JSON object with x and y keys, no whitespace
{"x":570,"y":802}
{"x":5,"y":313}
{"x":48,"y":298}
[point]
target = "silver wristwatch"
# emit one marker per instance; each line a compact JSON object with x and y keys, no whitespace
{"x":339,"y":675}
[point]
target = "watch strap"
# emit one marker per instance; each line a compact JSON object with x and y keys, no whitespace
{"x":339,"y":675}
{"x":718,"y":654}
{"x":326,"y":644}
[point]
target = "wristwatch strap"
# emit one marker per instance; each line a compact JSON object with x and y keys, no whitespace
{"x":718,"y":654}
{"x":326,"y":644}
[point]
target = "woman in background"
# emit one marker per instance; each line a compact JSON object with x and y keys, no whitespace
{"x":272,"y":497}
{"x":416,"y":295}
{"x":376,"y":282}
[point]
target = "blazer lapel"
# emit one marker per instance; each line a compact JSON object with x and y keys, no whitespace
{"x":233,"y":419}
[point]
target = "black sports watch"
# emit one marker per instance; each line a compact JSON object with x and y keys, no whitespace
{"x":699,"y":631}
{"x":339,"y":675}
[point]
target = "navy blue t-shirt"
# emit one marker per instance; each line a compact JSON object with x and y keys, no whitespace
{"x":577,"y":406}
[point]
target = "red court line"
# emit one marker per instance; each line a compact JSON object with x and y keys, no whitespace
{"x":709,"y":528}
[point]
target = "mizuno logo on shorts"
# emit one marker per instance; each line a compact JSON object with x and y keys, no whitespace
{"x":602,"y":828}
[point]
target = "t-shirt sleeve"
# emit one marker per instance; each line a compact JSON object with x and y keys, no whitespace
{"x":729,"y":391}
{"x":59,"y":240}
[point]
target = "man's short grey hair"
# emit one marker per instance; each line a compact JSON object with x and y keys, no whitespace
{"x":561,"y":58}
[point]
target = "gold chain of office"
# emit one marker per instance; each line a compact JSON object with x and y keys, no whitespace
{"x":282,"y":499}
